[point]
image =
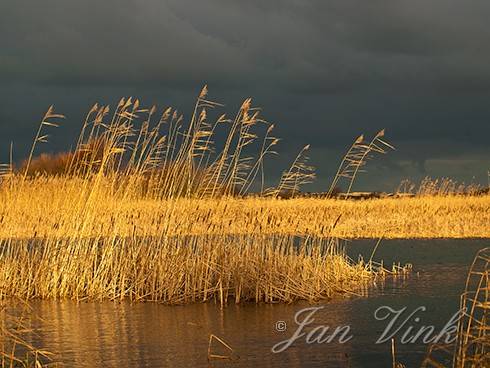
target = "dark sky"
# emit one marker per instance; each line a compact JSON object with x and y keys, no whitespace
{"x":323,"y":71}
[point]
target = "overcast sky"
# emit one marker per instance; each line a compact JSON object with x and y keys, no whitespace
{"x":323,"y":71}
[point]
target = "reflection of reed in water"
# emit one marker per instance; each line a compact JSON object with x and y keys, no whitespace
{"x":471,"y":348}
{"x":16,"y":333}
{"x":108,"y":334}
{"x":123,"y":334}
{"x":148,"y":334}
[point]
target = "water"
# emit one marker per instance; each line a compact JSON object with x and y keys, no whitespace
{"x":151,"y":335}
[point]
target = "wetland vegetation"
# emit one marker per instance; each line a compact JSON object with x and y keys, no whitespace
{"x":175,"y":211}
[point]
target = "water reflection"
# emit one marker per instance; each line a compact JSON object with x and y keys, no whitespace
{"x":151,"y":335}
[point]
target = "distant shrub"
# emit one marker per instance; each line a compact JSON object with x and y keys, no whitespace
{"x":48,"y":164}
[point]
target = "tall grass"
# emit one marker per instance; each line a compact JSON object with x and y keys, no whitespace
{"x":429,"y":187}
{"x":45,"y":208}
{"x":141,"y":211}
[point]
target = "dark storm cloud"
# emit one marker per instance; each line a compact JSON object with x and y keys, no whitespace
{"x":325,"y":71}
{"x":294,"y":43}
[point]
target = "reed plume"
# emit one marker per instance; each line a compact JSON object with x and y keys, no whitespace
{"x":356,"y":158}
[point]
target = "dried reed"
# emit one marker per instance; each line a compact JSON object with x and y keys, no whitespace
{"x":471,"y":348}
{"x":82,"y":238}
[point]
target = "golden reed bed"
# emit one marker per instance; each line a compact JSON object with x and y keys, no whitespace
{"x":73,"y":238}
{"x":47,"y":207}
{"x":143,"y":209}
{"x":147,"y":207}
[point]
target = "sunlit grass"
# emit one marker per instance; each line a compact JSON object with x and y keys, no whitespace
{"x":47,"y":208}
{"x":148,"y":208}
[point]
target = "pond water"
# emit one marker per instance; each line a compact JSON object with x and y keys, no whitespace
{"x":151,"y":335}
